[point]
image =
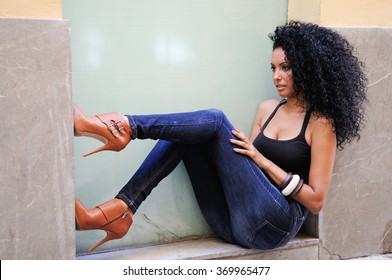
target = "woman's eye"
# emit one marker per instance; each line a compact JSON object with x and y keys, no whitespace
{"x":286,"y":68}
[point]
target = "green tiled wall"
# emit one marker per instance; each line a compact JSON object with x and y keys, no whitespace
{"x":140,"y":57}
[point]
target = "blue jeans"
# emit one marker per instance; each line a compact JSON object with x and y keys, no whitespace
{"x":237,"y":200}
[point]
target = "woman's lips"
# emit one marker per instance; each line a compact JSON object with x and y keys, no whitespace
{"x":280,"y":87}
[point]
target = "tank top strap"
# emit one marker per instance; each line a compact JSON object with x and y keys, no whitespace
{"x":305,"y":123}
{"x":283,"y":101}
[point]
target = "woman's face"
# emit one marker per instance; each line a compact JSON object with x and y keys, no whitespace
{"x":281,"y":73}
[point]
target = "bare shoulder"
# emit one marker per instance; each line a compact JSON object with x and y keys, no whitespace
{"x":264,"y":110}
{"x":322,"y":129}
{"x":268,"y":105}
{"x":320,"y":123}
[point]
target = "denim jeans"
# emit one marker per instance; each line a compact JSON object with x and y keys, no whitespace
{"x":237,"y":200}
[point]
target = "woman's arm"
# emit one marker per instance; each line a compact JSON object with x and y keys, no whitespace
{"x":323,"y":143}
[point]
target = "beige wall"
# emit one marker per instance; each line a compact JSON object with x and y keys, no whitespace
{"x":41,"y":9}
{"x":324,"y":12}
{"x":305,"y":10}
{"x":342,"y":12}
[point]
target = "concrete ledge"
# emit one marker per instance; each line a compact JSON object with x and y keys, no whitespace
{"x":302,"y":247}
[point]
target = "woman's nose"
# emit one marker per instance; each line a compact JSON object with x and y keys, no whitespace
{"x":276,"y":75}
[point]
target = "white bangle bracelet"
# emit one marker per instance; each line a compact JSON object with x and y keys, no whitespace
{"x":291,"y":186}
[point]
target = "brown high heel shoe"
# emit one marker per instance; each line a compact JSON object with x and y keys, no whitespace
{"x":113,"y":216}
{"x":112,"y":129}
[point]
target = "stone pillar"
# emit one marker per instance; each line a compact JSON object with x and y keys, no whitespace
{"x":36,"y":162}
{"x":357,"y":219}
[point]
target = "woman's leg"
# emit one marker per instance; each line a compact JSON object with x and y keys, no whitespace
{"x":259,"y":215}
{"x":208,"y":190}
{"x":186,"y":129}
{"x":175,"y":131}
{"x":161,"y":161}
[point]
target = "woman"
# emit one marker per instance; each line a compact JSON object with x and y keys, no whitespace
{"x":254,"y":192}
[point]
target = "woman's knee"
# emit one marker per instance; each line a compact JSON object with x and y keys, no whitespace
{"x":218,"y":115}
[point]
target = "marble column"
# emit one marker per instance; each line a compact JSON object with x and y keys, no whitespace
{"x":36,"y":162}
{"x":357,"y":219}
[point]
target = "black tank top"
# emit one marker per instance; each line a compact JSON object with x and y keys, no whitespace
{"x":291,"y":155}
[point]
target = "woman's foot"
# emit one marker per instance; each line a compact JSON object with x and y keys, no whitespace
{"x":113,"y":216}
{"x":112,"y":129}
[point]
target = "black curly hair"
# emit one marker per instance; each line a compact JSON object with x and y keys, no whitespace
{"x":327,"y":76}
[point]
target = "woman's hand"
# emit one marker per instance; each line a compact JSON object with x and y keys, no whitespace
{"x":245,"y":147}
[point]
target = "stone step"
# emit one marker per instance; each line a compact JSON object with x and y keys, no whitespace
{"x":301,"y":247}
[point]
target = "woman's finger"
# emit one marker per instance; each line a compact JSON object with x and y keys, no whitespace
{"x":238,"y":142}
{"x":239,"y":134}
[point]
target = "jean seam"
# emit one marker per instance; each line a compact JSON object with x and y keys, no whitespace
{"x":285,"y":234}
{"x":132,"y":202}
{"x":269,"y":193}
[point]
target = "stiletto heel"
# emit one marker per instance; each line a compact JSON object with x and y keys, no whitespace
{"x":113,"y":216}
{"x":109,"y":236}
{"x":112,"y":129}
